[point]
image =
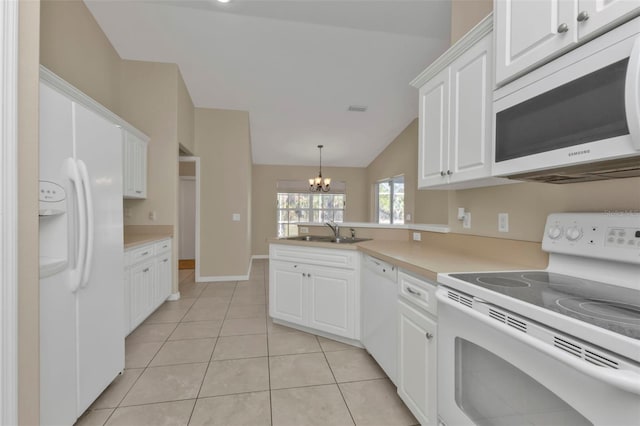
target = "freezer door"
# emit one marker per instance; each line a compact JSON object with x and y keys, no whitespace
{"x":100,"y":307}
{"x":58,"y":375}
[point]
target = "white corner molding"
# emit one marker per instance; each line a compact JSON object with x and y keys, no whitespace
{"x":174,"y":296}
{"x":219,"y":278}
{"x":9,"y":213}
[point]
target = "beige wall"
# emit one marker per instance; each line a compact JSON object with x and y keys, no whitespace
{"x":185,"y":115}
{"x":187,"y":168}
{"x":148,"y":100}
{"x":528,"y":205}
{"x":264,"y":196}
{"x":28,"y":261}
{"x":400,"y":157}
{"x":465,"y":14}
{"x":222,"y":141}
{"x":74,"y":47}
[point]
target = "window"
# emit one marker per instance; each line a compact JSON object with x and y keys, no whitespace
{"x":300,"y":207}
{"x":390,"y":200}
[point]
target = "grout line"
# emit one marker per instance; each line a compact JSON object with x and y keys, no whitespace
{"x":337,"y":384}
{"x":210,"y":358}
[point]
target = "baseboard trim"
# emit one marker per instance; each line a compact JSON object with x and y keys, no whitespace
{"x":218,"y":278}
{"x":174,"y":296}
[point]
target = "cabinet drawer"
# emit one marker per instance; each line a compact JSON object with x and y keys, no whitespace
{"x":418,"y":291}
{"x":346,"y":259}
{"x":163,"y":246}
{"x":139,"y":254}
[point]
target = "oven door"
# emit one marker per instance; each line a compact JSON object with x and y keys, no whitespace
{"x":490,"y":373}
{"x":583,"y":107}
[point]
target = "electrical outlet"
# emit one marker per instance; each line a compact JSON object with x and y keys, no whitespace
{"x":417,"y":236}
{"x":503,"y":222}
{"x":127,"y":212}
{"x":303,"y":229}
{"x":153,"y":215}
{"x":466,"y":222}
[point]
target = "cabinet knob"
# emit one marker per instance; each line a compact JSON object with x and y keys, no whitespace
{"x":563,"y":28}
{"x":304,"y":274}
{"x":429,"y":336}
{"x":583,"y":16}
{"x":309,"y":275}
{"x":442,"y":173}
{"x":145,"y":270}
{"x":449,"y":172}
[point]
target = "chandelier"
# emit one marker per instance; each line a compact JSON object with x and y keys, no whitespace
{"x":319,"y":183}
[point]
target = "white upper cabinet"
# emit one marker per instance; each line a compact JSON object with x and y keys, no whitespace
{"x":134,"y":166}
{"x":434,"y":130}
{"x":454,"y":142}
{"x":531,"y":32}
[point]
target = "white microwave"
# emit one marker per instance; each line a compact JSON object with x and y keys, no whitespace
{"x":576,"y":118}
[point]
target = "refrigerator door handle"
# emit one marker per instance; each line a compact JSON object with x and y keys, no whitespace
{"x":74,"y":177}
{"x":86,"y":184}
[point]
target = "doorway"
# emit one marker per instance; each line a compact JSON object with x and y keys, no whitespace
{"x":188,"y":213}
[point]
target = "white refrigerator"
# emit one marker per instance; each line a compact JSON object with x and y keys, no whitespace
{"x":81,"y":256}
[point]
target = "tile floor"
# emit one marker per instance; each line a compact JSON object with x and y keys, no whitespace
{"x":215,"y":358}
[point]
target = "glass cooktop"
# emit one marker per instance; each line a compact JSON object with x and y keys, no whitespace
{"x":611,"y":307}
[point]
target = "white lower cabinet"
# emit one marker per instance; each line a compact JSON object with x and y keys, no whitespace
{"x":287,"y":299}
{"x":315,"y":288}
{"x":417,"y":329}
{"x":331,"y":300}
{"x":148,"y":276}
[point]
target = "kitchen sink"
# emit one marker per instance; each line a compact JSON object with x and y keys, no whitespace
{"x":327,"y":239}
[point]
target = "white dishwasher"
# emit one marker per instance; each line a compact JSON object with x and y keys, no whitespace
{"x":379,"y":308}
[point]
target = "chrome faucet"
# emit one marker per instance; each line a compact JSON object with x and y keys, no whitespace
{"x":334,"y":227}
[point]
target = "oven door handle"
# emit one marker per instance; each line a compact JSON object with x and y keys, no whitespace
{"x":626,"y":380}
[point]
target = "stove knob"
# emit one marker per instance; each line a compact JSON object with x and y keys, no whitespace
{"x":554,"y":232}
{"x":574,"y":233}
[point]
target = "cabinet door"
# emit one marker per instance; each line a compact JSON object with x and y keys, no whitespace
{"x":332,"y":300}
{"x":528,"y":32}
{"x":135,"y":166}
{"x":470,"y":135}
{"x":433,"y":131}
{"x":142,"y":277}
{"x":600,"y":14}
{"x":164,"y":277}
{"x":417,"y":363}
{"x":287,"y":292}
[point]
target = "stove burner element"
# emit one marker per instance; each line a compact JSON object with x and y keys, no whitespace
{"x":502,"y":282}
{"x":553,"y":279}
{"x":608,"y":310}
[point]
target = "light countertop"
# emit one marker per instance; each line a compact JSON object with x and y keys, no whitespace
{"x":135,"y":236}
{"x":423,"y":258}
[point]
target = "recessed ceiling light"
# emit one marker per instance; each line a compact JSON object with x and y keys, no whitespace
{"x":223,"y":1}
{"x":357,"y":108}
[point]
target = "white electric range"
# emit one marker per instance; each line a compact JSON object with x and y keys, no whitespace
{"x":554,"y":347}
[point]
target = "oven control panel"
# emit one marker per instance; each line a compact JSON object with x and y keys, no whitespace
{"x":613,"y":236}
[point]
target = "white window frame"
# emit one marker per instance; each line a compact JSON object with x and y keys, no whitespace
{"x":310,"y":210}
{"x":9,"y":213}
{"x":376,"y":190}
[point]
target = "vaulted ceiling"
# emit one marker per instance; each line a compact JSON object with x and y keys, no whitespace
{"x":295,"y":65}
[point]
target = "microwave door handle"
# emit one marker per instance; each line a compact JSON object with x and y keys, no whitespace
{"x":632,"y":94}
{"x":626,"y":380}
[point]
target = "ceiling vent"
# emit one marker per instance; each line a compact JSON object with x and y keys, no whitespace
{"x":357,"y":108}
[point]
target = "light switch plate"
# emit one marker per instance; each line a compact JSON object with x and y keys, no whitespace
{"x":503,"y":222}
{"x":417,"y":236}
{"x":466,"y":222}
{"x":235,"y":217}
{"x":303,"y":229}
